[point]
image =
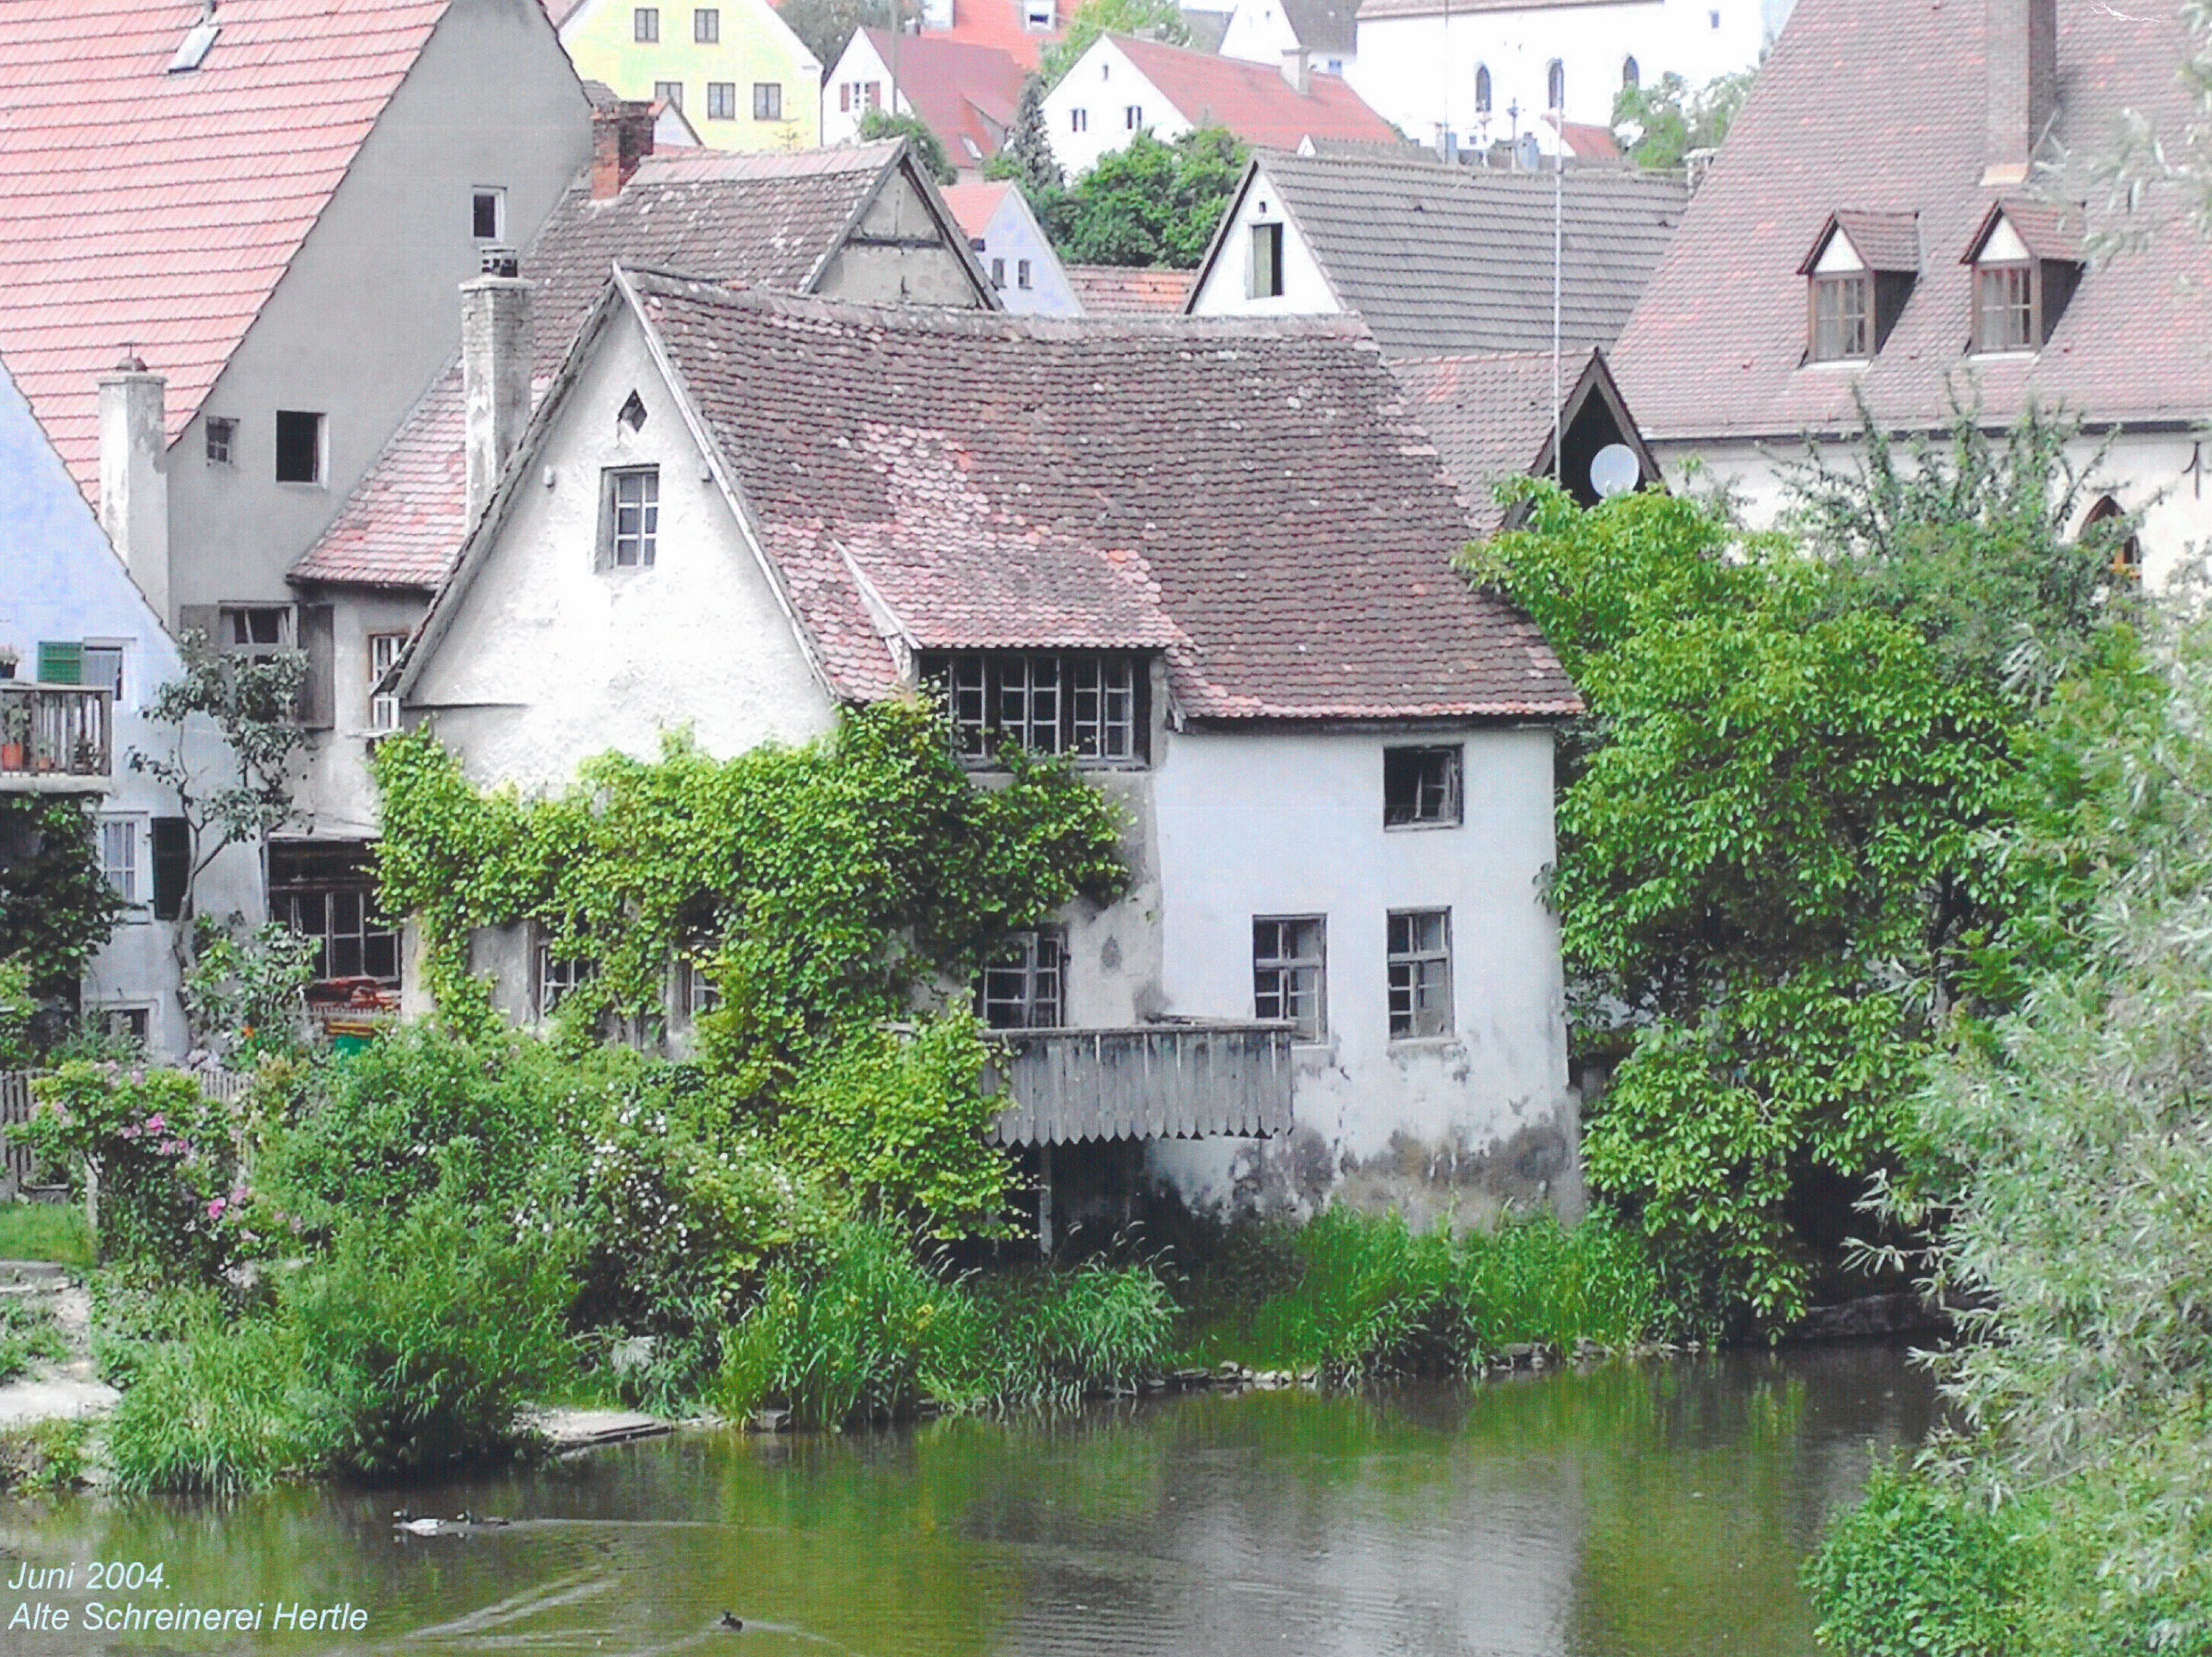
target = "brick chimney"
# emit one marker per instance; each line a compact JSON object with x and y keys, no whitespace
{"x":497,"y":348}
{"x":134,"y":475}
{"x":2021,"y":56}
{"x":622,"y":137}
{"x":1297,"y":68}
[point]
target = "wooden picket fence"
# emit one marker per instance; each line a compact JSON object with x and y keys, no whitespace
{"x":16,"y":1104}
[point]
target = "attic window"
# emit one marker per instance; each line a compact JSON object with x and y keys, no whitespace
{"x":632,"y":413}
{"x":1267,"y":273}
{"x":2026,"y":258}
{"x":1861,"y":273}
{"x":198,"y":41}
{"x":1037,"y":14}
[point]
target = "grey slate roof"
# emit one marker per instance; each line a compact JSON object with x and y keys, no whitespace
{"x":1206,"y":28}
{"x":1324,"y":25}
{"x":1438,"y":258}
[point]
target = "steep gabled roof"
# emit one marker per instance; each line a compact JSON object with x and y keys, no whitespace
{"x":999,"y":23}
{"x":1886,"y":241}
{"x":965,"y":92}
{"x":1254,"y":100}
{"x":157,"y":211}
{"x":974,"y":480}
{"x":1438,"y":258}
{"x":974,"y":205}
{"x":1880,"y":104}
{"x":1128,"y":290}
{"x":2047,"y":231}
{"x":771,"y":218}
{"x":1324,"y":25}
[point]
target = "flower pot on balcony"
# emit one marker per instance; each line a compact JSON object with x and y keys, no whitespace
{"x":11,"y":756}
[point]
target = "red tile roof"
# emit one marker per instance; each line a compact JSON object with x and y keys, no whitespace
{"x":1127,"y":290}
{"x":974,"y":205}
{"x":157,"y":211}
{"x":999,"y":23}
{"x":1254,"y":100}
{"x":767,"y":217}
{"x":1878,"y":106}
{"x":1490,"y":414}
{"x":964,"y":91}
{"x":1249,"y":495}
{"x":1886,"y":241}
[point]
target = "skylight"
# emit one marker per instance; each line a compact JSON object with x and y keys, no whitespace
{"x":199,"y":40}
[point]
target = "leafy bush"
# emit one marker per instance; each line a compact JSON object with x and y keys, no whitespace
{"x":171,"y":1197}
{"x":133,"y":1316}
{"x":1147,"y":203}
{"x":223,"y":1410}
{"x":425,"y":1338}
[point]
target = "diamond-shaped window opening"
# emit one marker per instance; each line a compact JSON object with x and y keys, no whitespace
{"x":632,"y":413}
{"x":198,"y":41}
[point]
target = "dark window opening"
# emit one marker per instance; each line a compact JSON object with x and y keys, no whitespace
{"x":559,"y":976}
{"x":1555,"y":86}
{"x":299,"y":447}
{"x":1420,"y":974}
{"x":1420,"y":785}
{"x":222,"y":442}
{"x":1088,"y":705}
{"x":2127,"y":550}
{"x":1266,"y":261}
{"x":1482,"y":90}
{"x":327,"y":895}
{"x":1025,"y":988}
{"x":1631,"y":75}
{"x":488,"y":215}
{"x":1290,"y":971}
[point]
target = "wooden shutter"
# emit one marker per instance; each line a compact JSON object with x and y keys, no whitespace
{"x":318,"y":692}
{"x":173,"y":866}
{"x":60,"y":664}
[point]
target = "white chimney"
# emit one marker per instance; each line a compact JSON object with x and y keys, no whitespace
{"x":1297,"y":68}
{"x":497,"y":345}
{"x":134,"y":475}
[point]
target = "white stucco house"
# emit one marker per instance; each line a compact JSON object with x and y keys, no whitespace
{"x":964,"y":91}
{"x":1335,"y":756}
{"x":1940,"y":266}
{"x":1013,"y":250}
{"x":1487,"y":73}
{"x":1122,"y":86}
{"x":90,"y":653}
{"x":1267,"y":31}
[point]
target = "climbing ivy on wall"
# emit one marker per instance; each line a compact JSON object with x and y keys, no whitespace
{"x":826,"y":891}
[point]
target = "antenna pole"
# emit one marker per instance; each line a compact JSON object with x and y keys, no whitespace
{"x":1558,"y":261}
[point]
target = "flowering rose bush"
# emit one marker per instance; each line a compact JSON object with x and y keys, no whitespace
{"x":171,"y":1195}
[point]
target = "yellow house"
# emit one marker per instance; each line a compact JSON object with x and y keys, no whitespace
{"x":742,"y":78}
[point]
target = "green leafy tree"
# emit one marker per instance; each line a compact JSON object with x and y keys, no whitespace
{"x":57,"y":908}
{"x":928,"y":149}
{"x":1150,"y":203}
{"x":1153,"y":20}
{"x":1027,"y":157}
{"x":1660,"y":125}
{"x":826,"y":28}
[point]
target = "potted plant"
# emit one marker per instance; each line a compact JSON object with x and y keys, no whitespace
{"x":14,"y":731}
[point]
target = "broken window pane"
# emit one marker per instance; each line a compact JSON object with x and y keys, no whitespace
{"x":1289,"y":969}
{"x":1420,"y":784}
{"x":1420,"y":973}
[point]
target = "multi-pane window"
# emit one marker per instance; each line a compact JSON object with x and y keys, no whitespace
{"x":670,"y":93}
{"x":221,"y":442}
{"x":1025,"y":987}
{"x":325,"y":895}
{"x":645,"y":25}
{"x":859,"y":96}
{"x":257,"y":632}
{"x":1290,"y":973}
{"x":767,"y":100}
{"x":1420,"y":785}
{"x":632,"y":529}
{"x":1085,"y":704}
{"x":722,"y":101}
{"x":1843,"y":317}
{"x":697,"y":993}
{"x":119,"y":858}
{"x":559,"y":977}
{"x":1420,"y":973}
{"x":1631,"y":75}
{"x":384,"y":650}
{"x":299,"y":447}
{"x":1266,"y":261}
{"x":707,"y":27}
{"x":2004,"y":308}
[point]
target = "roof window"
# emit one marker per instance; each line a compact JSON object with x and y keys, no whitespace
{"x":1859,"y":275}
{"x":198,"y":41}
{"x":2026,"y":260}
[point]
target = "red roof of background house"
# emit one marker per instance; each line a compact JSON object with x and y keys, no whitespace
{"x":999,"y":23}
{"x":1877,"y":109}
{"x":1254,"y":100}
{"x":995,"y":481}
{"x":965,"y":92}
{"x":974,"y":205}
{"x":154,"y":213}
{"x":1129,"y":290}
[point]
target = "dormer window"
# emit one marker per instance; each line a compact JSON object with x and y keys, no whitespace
{"x":2026,"y":258}
{"x":1859,"y":273}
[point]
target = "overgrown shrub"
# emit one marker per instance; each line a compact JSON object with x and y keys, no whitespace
{"x":133,"y":1314}
{"x":223,"y":1410}
{"x":43,"y":1457}
{"x":425,"y":1338}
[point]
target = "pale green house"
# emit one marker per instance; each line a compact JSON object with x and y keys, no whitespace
{"x":742,"y":78}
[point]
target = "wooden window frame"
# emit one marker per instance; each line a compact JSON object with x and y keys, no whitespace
{"x":1030,"y":978}
{"x":1290,"y":965}
{"x":1419,"y":975}
{"x":2028,"y":274}
{"x":1089,"y":706}
{"x":644,"y":26}
{"x":1863,"y":282}
{"x":221,"y":440}
{"x":1433,"y":803}
{"x":767,"y":100}
{"x":646,"y":537}
{"x":706,"y":26}
{"x":1266,"y":261}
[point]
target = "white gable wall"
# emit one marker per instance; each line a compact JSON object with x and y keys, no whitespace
{"x":551,"y":659}
{"x":1012,"y":236}
{"x":1224,"y":286}
{"x":1260,"y":32}
{"x":1104,"y":87}
{"x":842,"y":111}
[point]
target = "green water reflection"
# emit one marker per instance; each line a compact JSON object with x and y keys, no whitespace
{"x":1659,"y":1510}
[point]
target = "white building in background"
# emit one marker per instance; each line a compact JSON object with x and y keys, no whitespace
{"x":90,"y":654}
{"x":1013,"y":250}
{"x":1264,"y":31}
{"x":1338,"y":785}
{"x":1487,"y":74}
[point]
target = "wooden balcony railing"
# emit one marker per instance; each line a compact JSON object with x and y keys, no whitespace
{"x":55,"y":737}
{"x":1184,"y":1081}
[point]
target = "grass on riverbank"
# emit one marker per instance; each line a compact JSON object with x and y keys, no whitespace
{"x":46,"y":1231}
{"x":28,"y":1333}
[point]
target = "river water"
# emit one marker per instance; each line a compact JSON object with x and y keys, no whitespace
{"x":1660,"y":1509}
